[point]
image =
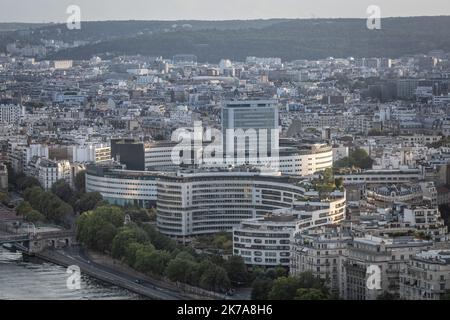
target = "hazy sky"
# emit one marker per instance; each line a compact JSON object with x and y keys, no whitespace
{"x":55,"y":10}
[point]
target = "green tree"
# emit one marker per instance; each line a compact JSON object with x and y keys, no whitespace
{"x":361,"y":159}
{"x":34,"y":216}
{"x":159,"y":260}
{"x":97,"y":228}
{"x":47,"y":203}
{"x":328,"y":176}
{"x":4,"y":198}
{"x":261,"y":288}
{"x":124,"y":238}
{"x":59,"y":211}
{"x":185,"y":256}
{"x":284,"y":288}
{"x":138,"y":214}
{"x":215,"y":278}
{"x":182,"y":270}
{"x":160,"y":241}
{"x":153,"y":262}
{"x":80,"y":181}
{"x":133,"y":248}
{"x":62,"y":190}
{"x":27,"y":182}
{"x":105,"y":234}
{"x":24,"y":208}
{"x":33,"y":195}
{"x":308,"y":280}
{"x":357,"y":158}
{"x":277,"y":272}
{"x":152,"y":214}
{"x":339,"y":182}
{"x":310,"y":294}
{"x":142,"y":260}
{"x":236,"y":269}
{"x":88,"y":201}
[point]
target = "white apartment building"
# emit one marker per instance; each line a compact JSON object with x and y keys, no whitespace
{"x":265,"y":241}
{"x":305,"y":160}
{"x":90,"y":153}
{"x":51,"y":171}
{"x":426,"y":276}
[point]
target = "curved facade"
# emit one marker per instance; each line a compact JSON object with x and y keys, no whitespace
{"x":195,"y":203}
{"x":123,"y":187}
{"x":266,"y":241}
{"x":298,"y":159}
{"x":305,"y":160}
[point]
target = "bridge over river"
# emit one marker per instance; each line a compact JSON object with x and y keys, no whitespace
{"x":35,"y":242}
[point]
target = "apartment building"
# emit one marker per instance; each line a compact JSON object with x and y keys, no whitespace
{"x":265,"y":241}
{"x":426,"y":219}
{"x":373,"y":265}
{"x":50,"y":171}
{"x":321,"y":251}
{"x":426,"y":276}
{"x":21,"y":153}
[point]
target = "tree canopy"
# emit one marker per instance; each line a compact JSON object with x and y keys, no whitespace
{"x":358,"y":158}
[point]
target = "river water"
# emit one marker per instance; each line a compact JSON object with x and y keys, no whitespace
{"x":37,"y":280}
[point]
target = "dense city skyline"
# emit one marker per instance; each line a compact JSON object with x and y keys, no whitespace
{"x":232,"y":160}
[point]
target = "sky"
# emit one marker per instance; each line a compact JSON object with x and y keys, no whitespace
{"x":93,"y":10}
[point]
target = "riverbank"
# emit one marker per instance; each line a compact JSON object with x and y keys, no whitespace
{"x":109,"y":270}
{"x":72,"y":256}
{"x":104,"y":268}
{"x":193,"y":292}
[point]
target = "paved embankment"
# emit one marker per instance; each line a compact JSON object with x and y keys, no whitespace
{"x":106,"y":274}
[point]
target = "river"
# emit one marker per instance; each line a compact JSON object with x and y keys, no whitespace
{"x":38,"y":280}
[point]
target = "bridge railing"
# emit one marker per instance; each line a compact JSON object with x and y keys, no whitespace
{"x":14,"y":238}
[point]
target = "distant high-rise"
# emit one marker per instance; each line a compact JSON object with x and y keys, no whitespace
{"x":406,"y":88}
{"x":248,"y":115}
